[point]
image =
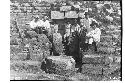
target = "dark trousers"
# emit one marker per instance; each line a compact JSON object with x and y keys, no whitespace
{"x":92,"y":48}
{"x":84,"y":46}
{"x":95,"y":47}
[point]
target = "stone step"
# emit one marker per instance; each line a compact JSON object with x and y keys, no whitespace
{"x":15,"y":49}
{"x":15,"y":40}
{"x":22,"y":76}
{"x":79,"y":77}
{"x":19,"y":56}
{"x":102,"y":59}
{"x":107,"y":50}
{"x":92,"y":69}
{"x":105,"y":44}
{"x":106,"y":38}
{"x":39,"y":55}
{"x":36,"y":57}
{"x":61,"y":65}
{"x":93,"y":59}
{"x":111,"y":69}
{"x":115,"y":32}
{"x":39,"y":76}
{"x":112,"y":27}
{"x":25,"y":66}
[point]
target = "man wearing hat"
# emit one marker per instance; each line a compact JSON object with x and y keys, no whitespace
{"x":87,"y":21}
{"x":93,"y":36}
{"x":46,"y":25}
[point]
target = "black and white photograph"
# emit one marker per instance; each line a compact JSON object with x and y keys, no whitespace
{"x":65,"y":40}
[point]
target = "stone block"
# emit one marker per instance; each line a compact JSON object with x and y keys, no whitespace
{"x":61,"y":65}
{"x":92,"y":69}
{"x":93,"y":59}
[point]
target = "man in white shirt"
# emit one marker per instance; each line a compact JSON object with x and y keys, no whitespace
{"x":46,"y":25}
{"x":94,"y":36}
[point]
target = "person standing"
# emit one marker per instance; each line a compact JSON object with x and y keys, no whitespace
{"x":82,"y":36}
{"x":57,"y":42}
{"x":87,"y":21}
{"x":46,"y":25}
{"x":74,"y":44}
{"x":66,"y":39}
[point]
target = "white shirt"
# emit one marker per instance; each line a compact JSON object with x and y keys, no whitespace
{"x":95,"y":34}
{"x":34,"y":24}
{"x":46,"y":24}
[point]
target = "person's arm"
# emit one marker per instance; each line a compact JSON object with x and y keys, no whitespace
{"x":48,"y":25}
{"x":97,"y":32}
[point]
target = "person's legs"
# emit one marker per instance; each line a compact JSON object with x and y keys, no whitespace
{"x":90,"y":49}
{"x":40,"y":31}
{"x":35,"y":30}
{"x":95,"y":46}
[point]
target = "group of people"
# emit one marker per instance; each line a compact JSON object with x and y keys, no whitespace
{"x":38,"y":24}
{"x":78,"y":37}
{"x":81,"y":40}
{"x":87,"y":33}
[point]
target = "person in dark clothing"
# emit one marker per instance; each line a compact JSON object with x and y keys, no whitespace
{"x":66,"y":45}
{"x":74,"y":47}
{"x":82,"y":35}
{"x":66,"y":39}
